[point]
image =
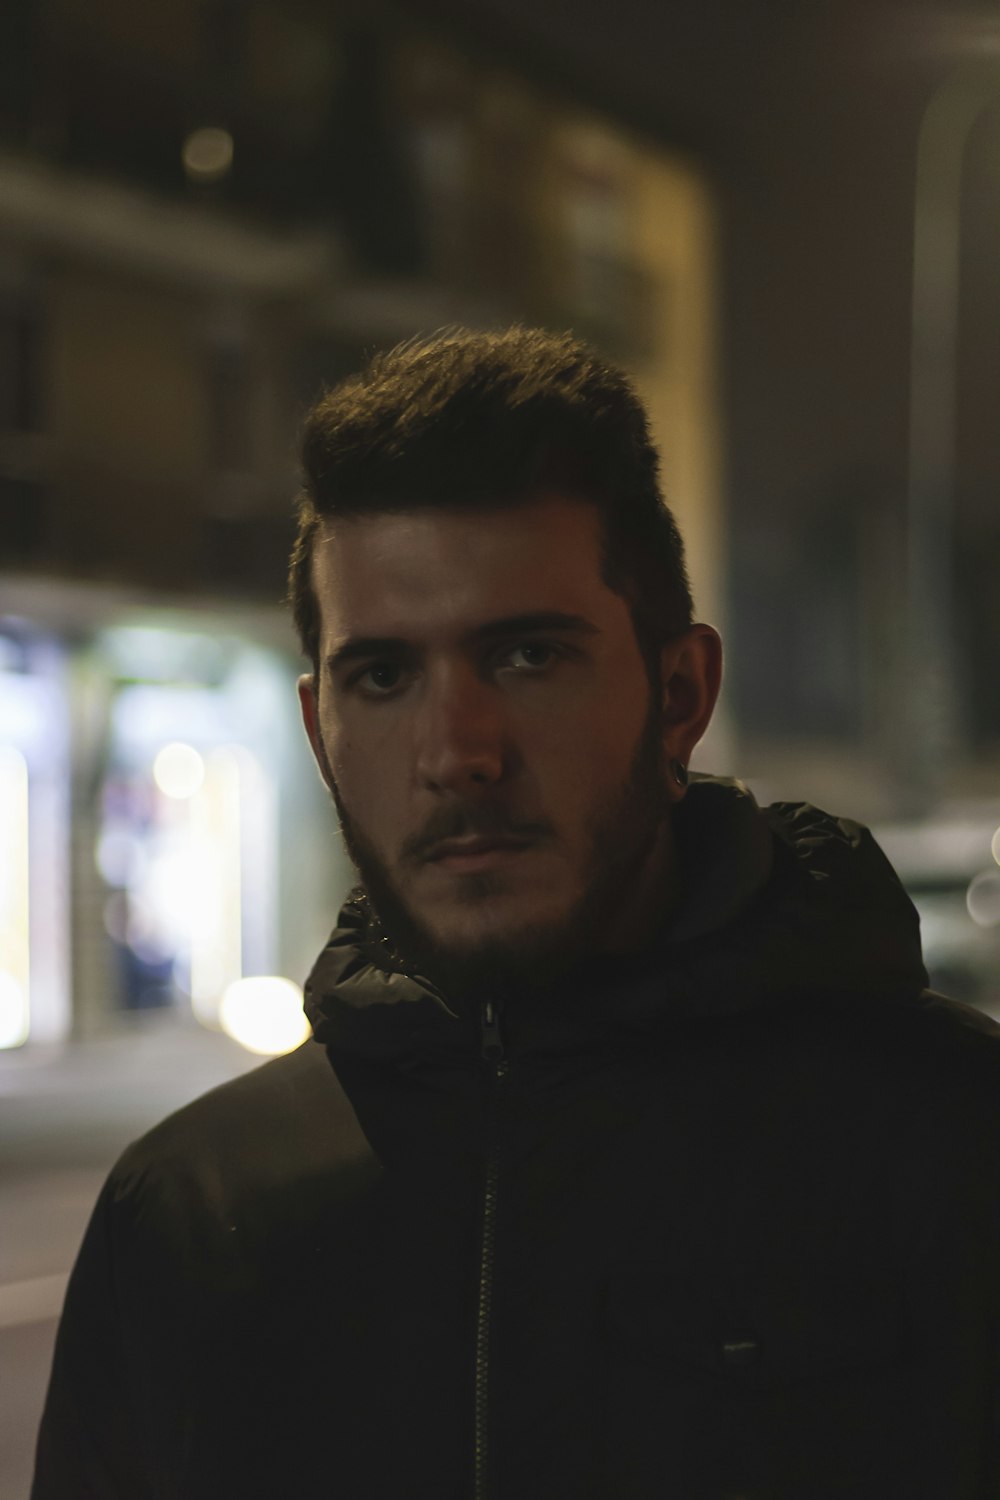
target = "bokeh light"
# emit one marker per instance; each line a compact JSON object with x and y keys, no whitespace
{"x":264,"y":1014}
{"x":207,"y":153}
{"x":178,"y":770}
{"x":983,"y":898}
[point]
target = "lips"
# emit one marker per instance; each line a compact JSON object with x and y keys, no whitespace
{"x":450,"y":848}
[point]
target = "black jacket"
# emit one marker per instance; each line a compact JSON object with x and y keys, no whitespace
{"x":717,"y":1221}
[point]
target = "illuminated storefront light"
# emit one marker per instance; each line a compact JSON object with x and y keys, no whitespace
{"x":179,"y":871}
{"x":187,"y":836}
{"x":14,"y":887}
{"x":217,"y":858}
{"x":264,"y":1014}
{"x":13,"y":1011}
{"x":34,"y":835}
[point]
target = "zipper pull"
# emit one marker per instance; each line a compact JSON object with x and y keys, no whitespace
{"x":492,"y":1040}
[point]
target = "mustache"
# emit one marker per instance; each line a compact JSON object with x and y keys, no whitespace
{"x":453,"y":823}
{"x":479,"y":822}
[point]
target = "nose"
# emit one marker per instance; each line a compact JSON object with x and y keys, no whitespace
{"x":461,"y":737}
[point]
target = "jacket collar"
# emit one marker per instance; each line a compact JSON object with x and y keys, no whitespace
{"x":778,"y":903}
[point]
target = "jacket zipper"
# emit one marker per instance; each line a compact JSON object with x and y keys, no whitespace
{"x":493,"y":1052}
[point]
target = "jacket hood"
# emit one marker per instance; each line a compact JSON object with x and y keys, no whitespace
{"x":779,"y":903}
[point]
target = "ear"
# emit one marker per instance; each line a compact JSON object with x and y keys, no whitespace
{"x":310,"y":718}
{"x":691,"y":674}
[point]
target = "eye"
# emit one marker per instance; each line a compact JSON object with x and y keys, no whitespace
{"x":377,"y":685}
{"x":531,"y":650}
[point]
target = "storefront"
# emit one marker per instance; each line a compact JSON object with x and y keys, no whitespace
{"x":158,"y":827}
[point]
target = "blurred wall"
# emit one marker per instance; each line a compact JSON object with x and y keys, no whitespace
{"x":208,"y":212}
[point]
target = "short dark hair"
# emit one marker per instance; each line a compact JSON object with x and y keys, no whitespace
{"x":464,"y":421}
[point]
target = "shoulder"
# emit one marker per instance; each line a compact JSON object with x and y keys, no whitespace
{"x":913,"y":1030}
{"x":954,"y":1018}
{"x":957,"y":1048}
{"x":285,"y":1131}
{"x":923,"y":1068}
{"x":294,"y":1095}
{"x":932,"y":1031}
{"x":915,"y":1069}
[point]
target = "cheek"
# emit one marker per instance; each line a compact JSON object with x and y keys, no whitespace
{"x":340,"y":744}
{"x":336,"y":744}
{"x":582,"y":761}
{"x":339,"y":752}
{"x":600,"y":734}
{"x":349,"y":770}
{"x":341,"y":755}
{"x":367,"y":778}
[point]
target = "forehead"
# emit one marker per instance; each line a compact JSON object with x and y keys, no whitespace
{"x":437,"y":570}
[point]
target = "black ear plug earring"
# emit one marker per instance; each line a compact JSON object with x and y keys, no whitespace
{"x":679,"y":771}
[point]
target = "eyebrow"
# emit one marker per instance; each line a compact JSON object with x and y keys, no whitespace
{"x":362,"y":646}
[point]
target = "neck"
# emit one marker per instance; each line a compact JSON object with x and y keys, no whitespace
{"x":650,"y":899}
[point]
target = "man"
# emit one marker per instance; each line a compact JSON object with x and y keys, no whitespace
{"x":630,"y":1158}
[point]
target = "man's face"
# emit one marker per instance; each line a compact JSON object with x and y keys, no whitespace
{"x":448,"y":709}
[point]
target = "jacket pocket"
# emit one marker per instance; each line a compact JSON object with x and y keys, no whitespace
{"x":784,"y":1390}
{"x":770,"y":1335}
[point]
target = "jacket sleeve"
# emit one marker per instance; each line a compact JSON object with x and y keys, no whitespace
{"x":86,"y":1443}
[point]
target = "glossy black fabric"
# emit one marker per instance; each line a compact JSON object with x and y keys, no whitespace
{"x":747,"y":1240}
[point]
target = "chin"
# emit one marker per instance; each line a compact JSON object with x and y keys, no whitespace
{"x":509,"y":925}
{"x":468,"y":925}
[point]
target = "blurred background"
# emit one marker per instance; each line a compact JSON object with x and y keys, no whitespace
{"x":783,"y":219}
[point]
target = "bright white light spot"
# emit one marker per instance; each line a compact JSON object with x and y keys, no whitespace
{"x":983,"y":898}
{"x":207,"y":154}
{"x":178,"y":770}
{"x":264,"y":1014}
{"x":13,"y":1011}
{"x":176,"y":887}
{"x":995,"y":846}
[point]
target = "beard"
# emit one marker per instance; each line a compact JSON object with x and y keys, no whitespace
{"x":539,"y":959}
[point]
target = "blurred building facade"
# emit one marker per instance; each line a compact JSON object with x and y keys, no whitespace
{"x":207,"y":212}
